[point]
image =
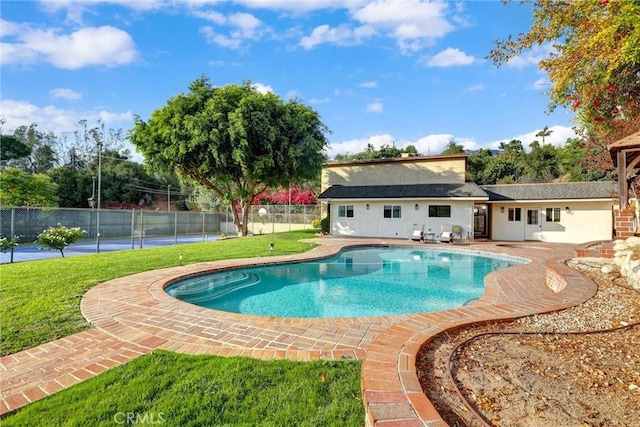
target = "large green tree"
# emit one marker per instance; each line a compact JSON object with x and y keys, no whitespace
{"x":12,"y":148}
{"x":453,"y":148}
{"x":21,"y":188}
{"x":476,"y":164}
{"x":542,"y":163}
{"x":594,"y":63}
{"x":502,"y":169}
{"x":74,"y":186}
{"x":234,"y":140}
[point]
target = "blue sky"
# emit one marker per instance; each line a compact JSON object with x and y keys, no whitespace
{"x":381,"y":72}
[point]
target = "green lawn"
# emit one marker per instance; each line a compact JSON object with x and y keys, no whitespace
{"x":41,"y":302}
{"x":41,"y":299}
{"x":170,"y":389}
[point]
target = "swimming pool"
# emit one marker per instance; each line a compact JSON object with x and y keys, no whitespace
{"x":364,"y":281}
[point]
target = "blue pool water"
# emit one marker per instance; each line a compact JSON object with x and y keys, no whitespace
{"x":371,"y":281}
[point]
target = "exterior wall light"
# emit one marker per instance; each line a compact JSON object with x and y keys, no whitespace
{"x":416,"y":206}
{"x":502,"y":209}
{"x":567,"y":210}
{"x":367,"y":206}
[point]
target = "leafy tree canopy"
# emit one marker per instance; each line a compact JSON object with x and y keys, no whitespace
{"x":453,"y":148}
{"x":233,"y":140}
{"x":386,"y":151}
{"x":11,"y":148}
{"x":595,"y":61}
{"x":20,"y":188}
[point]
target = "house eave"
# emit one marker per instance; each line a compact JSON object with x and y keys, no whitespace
{"x":612,"y":199}
{"x":374,"y":199}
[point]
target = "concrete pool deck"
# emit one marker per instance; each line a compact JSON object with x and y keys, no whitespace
{"x":133,"y":315}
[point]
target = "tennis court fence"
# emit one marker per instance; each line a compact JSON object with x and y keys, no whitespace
{"x":27,"y":222}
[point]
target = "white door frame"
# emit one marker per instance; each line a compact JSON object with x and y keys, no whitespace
{"x":533,"y":224}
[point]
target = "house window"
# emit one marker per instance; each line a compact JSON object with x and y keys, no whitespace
{"x":439,"y":211}
{"x":553,"y":215}
{"x":392,"y":211}
{"x":515,"y":214}
{"x":345,"y":211}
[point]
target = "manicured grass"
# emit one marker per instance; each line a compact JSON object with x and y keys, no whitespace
{"x":171,"y":389}
{"x":41,"y":299}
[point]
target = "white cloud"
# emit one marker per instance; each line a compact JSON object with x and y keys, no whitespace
{"x":51,"y":118}
{"x":478,"y":87}
{"x":293,"y":95}
{"x":11,"y":28}
{"x":375,"y":107}
{"x":77,"y":8}
{"x":211,"y":15}
{"x":358,"y":145}
{"x":432,"y":145}
{"x":559,"y":135}
{"x":324,"y":100}
{"x":413,"y":23}
{"x":220,"y":63}
{"x":449,"y":57}
{"x":541,"y":83}
{"x":106,"y":45}
{"x":531,"y":57}
{"x":243,"y":27}
{"x":262,"y":88}
{"x":426,"y":145}
{"x":65,"y":93}
{"x":368,"y":84}
{"x":301,"y":5}
{"x":342,"y":35}
{"x":220,"y":39}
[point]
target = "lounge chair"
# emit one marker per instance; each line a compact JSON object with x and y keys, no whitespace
{"x":446,"y":234}
{"x":418,"y":232}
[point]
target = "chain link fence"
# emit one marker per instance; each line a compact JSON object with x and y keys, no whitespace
{"x":27,"y":222}
{"x":269,"y":219}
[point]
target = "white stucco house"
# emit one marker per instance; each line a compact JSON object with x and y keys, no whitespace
{"x":567,"y":212}
{"x":392,"y":197}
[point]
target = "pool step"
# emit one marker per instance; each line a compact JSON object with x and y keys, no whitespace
{"x":196,"y":290}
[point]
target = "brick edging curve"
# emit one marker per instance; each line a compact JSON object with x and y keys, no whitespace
{"x":392,"y":394}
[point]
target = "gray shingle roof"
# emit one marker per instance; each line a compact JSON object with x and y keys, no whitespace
{"x":552,"y":191}
{"x":495,"y":193}
{"x":468,"y":189}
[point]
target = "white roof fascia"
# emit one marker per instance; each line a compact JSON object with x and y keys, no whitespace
{"x":553,"y":200}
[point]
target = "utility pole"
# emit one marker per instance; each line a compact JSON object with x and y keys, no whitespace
{"x":99,"y":196}
{"x":169,"y":198}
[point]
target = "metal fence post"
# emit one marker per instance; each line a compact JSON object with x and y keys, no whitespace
{"x":141,"y":227}
{"x":13,"y":216}
{"x":203,"y":221}
{"x":175,"y":229}
{"x":133,"y":228}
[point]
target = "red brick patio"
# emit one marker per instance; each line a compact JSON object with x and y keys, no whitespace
{"x":133,"y":315}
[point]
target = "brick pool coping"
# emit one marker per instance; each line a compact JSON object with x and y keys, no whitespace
{"x":133,"y":315}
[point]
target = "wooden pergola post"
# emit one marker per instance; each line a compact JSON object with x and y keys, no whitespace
{"x":623,"y":185}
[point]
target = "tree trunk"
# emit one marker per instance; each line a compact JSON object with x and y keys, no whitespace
{"x":245,"y":219}
{"x":242,"y":224}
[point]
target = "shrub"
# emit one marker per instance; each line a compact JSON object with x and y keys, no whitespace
{"x":325,"y":224}
{"x":7,"y":245}
{"x":59,"y":237}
